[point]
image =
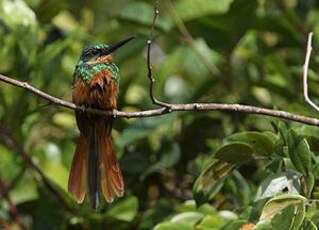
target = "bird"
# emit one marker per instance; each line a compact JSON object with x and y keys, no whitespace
{"x":95,"y":166}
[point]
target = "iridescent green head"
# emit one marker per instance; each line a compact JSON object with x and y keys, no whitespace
{"x":95,"y":52}
{"x":97,"y":58}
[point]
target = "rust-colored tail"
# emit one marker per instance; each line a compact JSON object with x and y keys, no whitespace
{"x":95,"y":165}
{"x":110,"y":172}
{"x":78,"y":175}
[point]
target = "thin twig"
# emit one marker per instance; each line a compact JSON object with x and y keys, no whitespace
{"x":13,"y":208}
{"x":149,"y":66}
{"x":172,"y":107}
{"x":305,"y":73}
{"x":189,"y":39}
{"x":28,"y":159}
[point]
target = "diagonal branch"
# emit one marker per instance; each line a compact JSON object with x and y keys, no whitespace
{"x":28,"y":159}
{"x":13,"y":208}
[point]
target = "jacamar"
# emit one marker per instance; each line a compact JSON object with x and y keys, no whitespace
{"x":95,"y":165}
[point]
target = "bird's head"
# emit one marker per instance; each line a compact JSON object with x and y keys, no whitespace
{"x":101,"y":52}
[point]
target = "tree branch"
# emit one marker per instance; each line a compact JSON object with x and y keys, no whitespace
{"x":13,"y":208}
{"x":165,"y":110}
{"x":305,"y":73}
{"x":28,"y":159}
{"x":149,"y":66}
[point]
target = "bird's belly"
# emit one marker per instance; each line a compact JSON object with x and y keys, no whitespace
{"x":101,"y":92}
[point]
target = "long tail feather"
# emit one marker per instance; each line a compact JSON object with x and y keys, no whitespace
{"x":78,"y":175}
{"x":111,"y":176}
{"x":95,"y":165}
{"x":93,"y":168}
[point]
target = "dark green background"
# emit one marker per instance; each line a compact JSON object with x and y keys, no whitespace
{"x":258,"y":49}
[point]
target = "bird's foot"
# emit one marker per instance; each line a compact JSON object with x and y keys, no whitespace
{"x":84,"y":107}
{"x":114,"y":111}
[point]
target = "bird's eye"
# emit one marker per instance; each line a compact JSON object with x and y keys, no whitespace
{"x":92,"y":53}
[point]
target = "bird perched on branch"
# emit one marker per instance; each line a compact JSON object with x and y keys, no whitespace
{"x":94,"y":164}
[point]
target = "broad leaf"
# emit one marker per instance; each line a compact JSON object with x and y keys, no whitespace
{"x":285,"y":182}
{"x":210,"y":181}
{"x":124,"y":210}
{"x":211,"y":223}
{"x":277,"y":204}
{"x":299,"y":152}
{"x":234,"y":153}
{"x":260,"y":142}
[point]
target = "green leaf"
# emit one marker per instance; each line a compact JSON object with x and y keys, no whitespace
{"x":22,"y":22}
{"x":191,"y":9}
{"x":56,"y":172}
{"x":261,"y":143}
{"x":277,"y":204}
{"x":124,"y":210}
{"x":200,"y":163}
{"x":159,"y":211}
{"x":145,"y":14}
{"x":234,"y":153}
{"x":309,"y":182}
{"x":17,"y":13}
{"x":190,"y":206}
{"x":187,"y":218}
{"x":210,"y":181}
{"x":212,"y":178}
{"x":20,"y":194}
{"x":65,"y":21}
{"x":210,"y":222}
{"x":63,"y":119}
{"x":172,"y":226}
{"x":262,"y":225}
{"x":299,"y":152}
{"x":300,"y":214}
{"x":309,"y":225}
{"x":275,"y":165}
{"x":313,"y":142}
{"x":222,"y":33}
{"x":287,"y":182}
{"x":249,"y":213}
{"x":316,"y":171}
{"x":8,"y":161}
{"x":284,"y":219}
{"x":242,"y":191}
{"x":51,"y":51}
{"x":228,"y":215}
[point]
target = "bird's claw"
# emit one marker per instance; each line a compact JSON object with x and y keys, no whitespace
{"x":114,"y":113}
{"x":83,"y":108}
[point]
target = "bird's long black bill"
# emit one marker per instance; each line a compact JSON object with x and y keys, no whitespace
{"x":117,"y":45}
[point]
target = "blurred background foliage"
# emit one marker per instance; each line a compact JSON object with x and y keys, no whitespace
{"x":188,"y":170}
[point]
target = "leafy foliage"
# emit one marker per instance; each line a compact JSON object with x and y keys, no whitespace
{"x":188,"y":170}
